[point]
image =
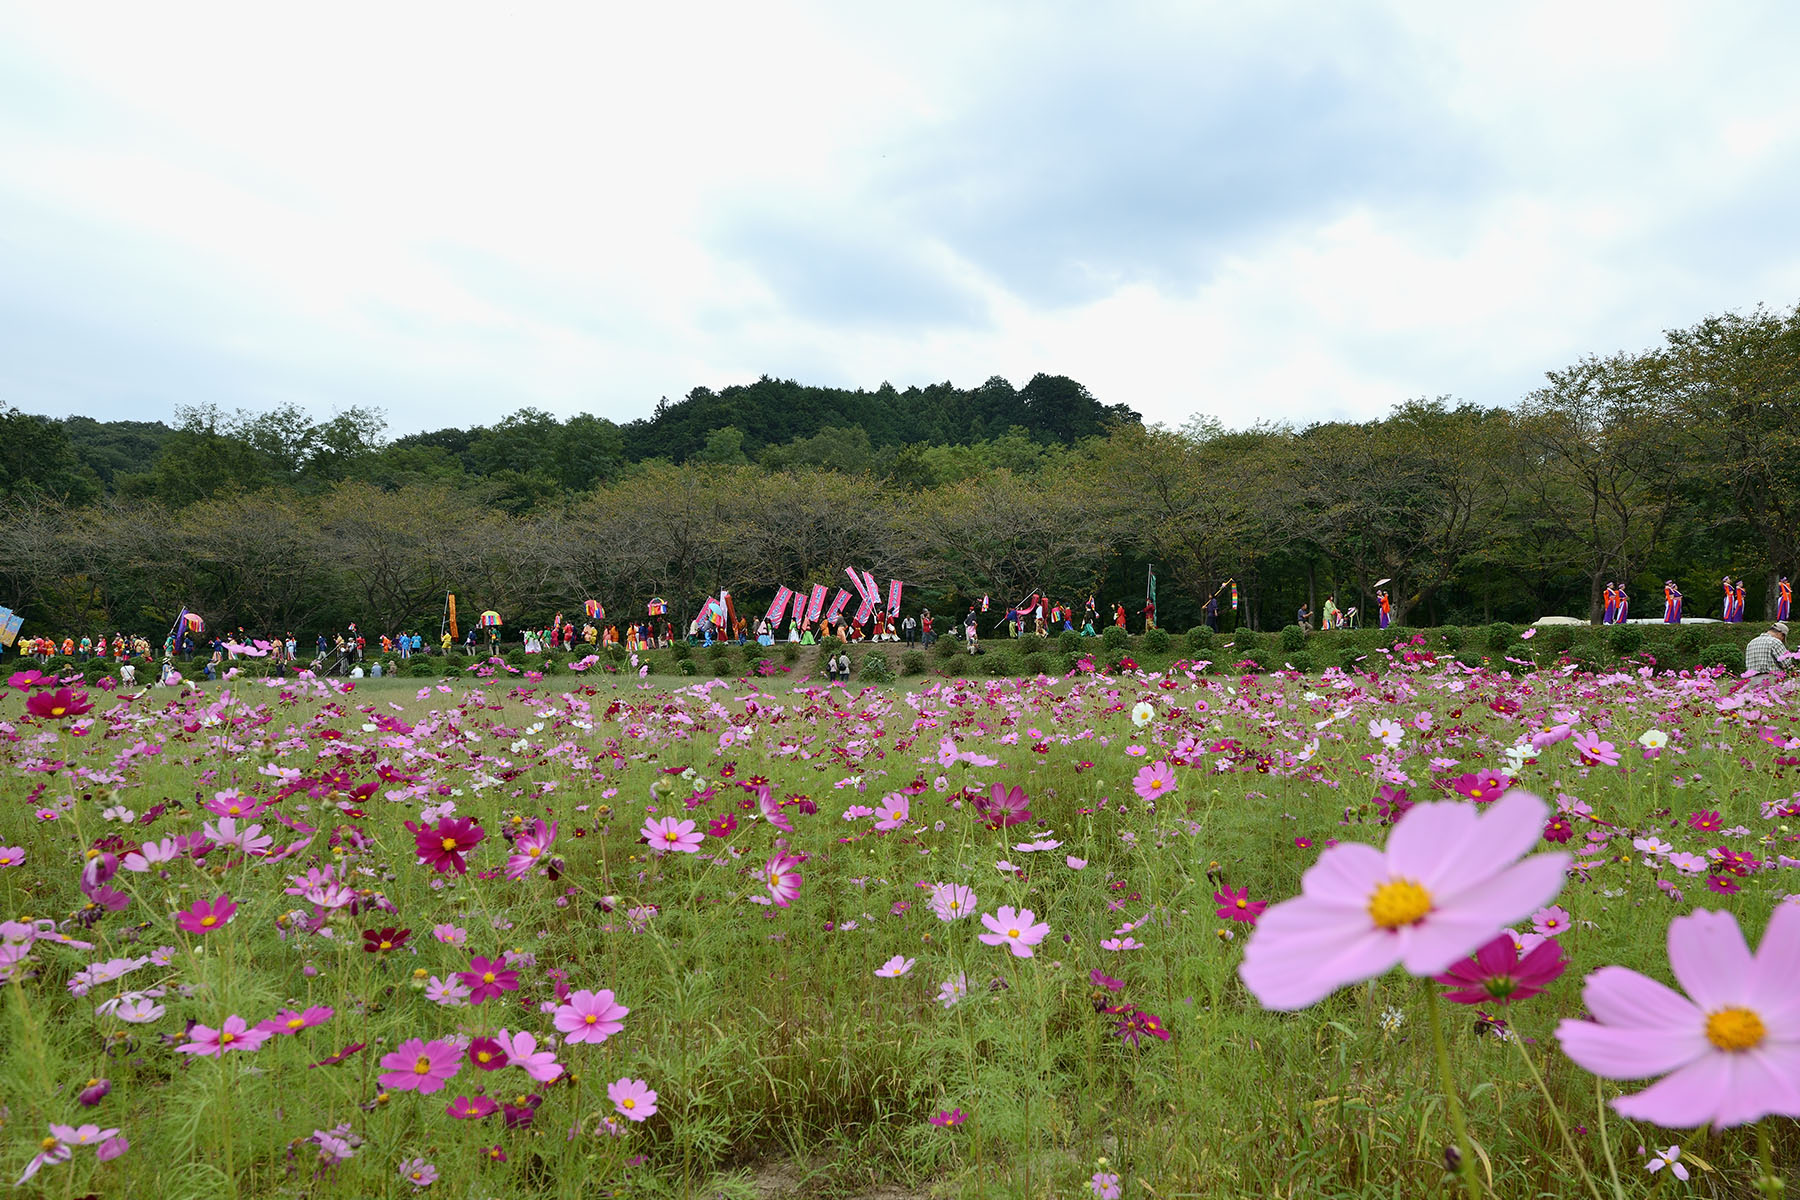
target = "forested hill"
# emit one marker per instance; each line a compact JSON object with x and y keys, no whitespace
{"x":770,"y":412}
{"x":532,"y":456}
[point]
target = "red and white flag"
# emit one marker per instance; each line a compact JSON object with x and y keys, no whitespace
{"x":894,"y":586}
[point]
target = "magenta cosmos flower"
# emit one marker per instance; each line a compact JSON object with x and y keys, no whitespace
{"x":1498,"y":974}
{"x":206,"y":915}
{"x":1448,"y":880}
{"x":590,"y":1016}
{"x":1004,"y":807}
{"x":57,"y":705}
{"x":633,"y":1098}
{"x":1236,"y":905}
{"x":1594,"y":752}
{"x":420,"y":1066}
{"x":288,"y":1021}
{"x":488,"y":977}
{"x":1014,"y":930}
{"x":442,"y":846}
{"x":1729,"y":1049}
{"x":1154,"y":780}
{"x":667,"y":833}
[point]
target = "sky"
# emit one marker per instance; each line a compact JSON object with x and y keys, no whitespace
{"x":1268,"y":211}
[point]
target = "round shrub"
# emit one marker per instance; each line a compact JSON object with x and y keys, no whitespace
{"x":1038,"y":664}
{"x":944,"y":647}
{"x":721,"y":666}
{"x":1031,"y":643}
{"x":1157,"y":640}
{"x":1626,"y":639}
{"x":1692,"y":638}
{"x":1303,"y":662}
{"x":1114,"y":638}
{"x":790,"y":653}
{"x":1352,"y":659}
{"x":1200,"y":639}
{"x":681,"y":650}
{"x":876,"y":668}
{"x":1722,"y":654}
{"x":912,"y":663}
{"x":1454,"y":636}
{"x":686,"y":667}
{"x":1587,"y":653}
{"x":1556,"y":638}
{"x":1470,"y":658}
{"x":1499,"y":636}
{"x":1068,"y":641}
{"x":1293,"y":638}
{"x":999,"y":662}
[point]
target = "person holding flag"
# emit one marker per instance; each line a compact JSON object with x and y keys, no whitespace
{"x":1671,"y":603}
{"x":1621,"y":604}
{"x":1608,"y":604}
{"x":1784,"y":598}
{"x":1387,"y":607}
{"x":1738,"y":608}
{"x":1727,"y":613}
{"x":1150,"y":600}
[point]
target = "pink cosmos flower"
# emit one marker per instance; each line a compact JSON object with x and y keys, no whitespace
{"x":206,"y":915}
{"x":233,"y":1034}
{"x":1014,"y":930}
{"x":781,"y":878}
{"x":1729,"y":1050}
{"x":949,"y":1118}
{"x":590,"y":1017}
{"x":633,"y":1098}
{"x":953,"y":901}
{"x":443,"y":846}
{"x":488,"y":977}
{"x":893,"y":813}
{"x":421,"y":1066}
{"x":1551,"y":921}
{"x":287,"y":1022}
{"x":1498,"y":974}
{"x":1448,"y":880}
{"x":1595,"y":752}
{"x":11,"y":856}
{"x":667,"y":833}
{"x":529,"y":848}
{"x":1154,"y":780}
{"x":1004,"y":807}
{"x":895,"y":967}
{"x":1481,"y":786}
{"x":488,"y":1054}
{"x":522,"y":1052}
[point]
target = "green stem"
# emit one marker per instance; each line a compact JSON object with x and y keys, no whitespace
{"x":1770,"y":1183}
{"x":1612,"y":1168}
{"x":1471,"y":1179}
{"x":1556,"y":1114}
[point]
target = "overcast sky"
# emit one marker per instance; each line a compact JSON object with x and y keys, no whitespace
{"x":1252,"y":210}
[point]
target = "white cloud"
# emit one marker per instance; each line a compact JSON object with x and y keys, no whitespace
{"x":1255,"y":212}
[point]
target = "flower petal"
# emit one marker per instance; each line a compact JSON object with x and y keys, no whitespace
{"x":1772,"y":992}
{"x":1710,"y":960}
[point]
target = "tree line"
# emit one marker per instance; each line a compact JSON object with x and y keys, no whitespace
{"x":1680,"y":461}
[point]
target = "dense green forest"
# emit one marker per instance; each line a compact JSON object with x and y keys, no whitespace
{"x":1678,"y":461}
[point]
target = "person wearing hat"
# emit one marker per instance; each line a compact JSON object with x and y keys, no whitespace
{"x":1762,"y":656}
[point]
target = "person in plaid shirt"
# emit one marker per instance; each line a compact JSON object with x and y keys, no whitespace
{"x":1762,"y":655}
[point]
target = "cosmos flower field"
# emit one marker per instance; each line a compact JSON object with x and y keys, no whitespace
{"x":1438,"y":930}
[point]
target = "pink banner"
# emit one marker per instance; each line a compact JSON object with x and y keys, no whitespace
{"x":779,"y":603}
{"x":871,"y":591}
{"x":856,"y":582}
{"x":814,"y":605}
{"x":863,"y":612}
{"x":837,"y":605}
{"x":894,"y":586}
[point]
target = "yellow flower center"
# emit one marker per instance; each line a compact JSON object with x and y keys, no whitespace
{"x":1012,"y":933}
{"x":387,"y":945}
{"x":296,"y":1023}
{"x":58,"y":711}
{"x":628,"y":1102}
{"x":1242,"y":903}
{"x":226,"y":1038}
{"x":423,"y":1066}
{"x":535,"y":851}
{"x":234,"y":810}
{"x":671,"y":836}
{"x":1399,"y":902}
{"x":487,"y":977}
{"x":1735,"y":1029}
{"x":449,"y":843}
{"x":484,"y":1056}
{"x":591,"y":1019}
{"x":209,"y":921}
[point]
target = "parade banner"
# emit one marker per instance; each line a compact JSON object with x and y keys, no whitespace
{"x":594,"y":609}
{"x":870,"y":590}
{"x":10,"y":624}
{"x":863,"y":612}
{"x":838,"y":602}
{"x":894,"y":586}
{"x":450,"y":614}
{"x":816,"y":603}
{"x":856,"y":582}
{"x":1234,"y":597}
{"x":781,"y":598}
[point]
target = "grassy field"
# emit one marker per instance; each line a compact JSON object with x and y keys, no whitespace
{"x":842,"y":1038}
